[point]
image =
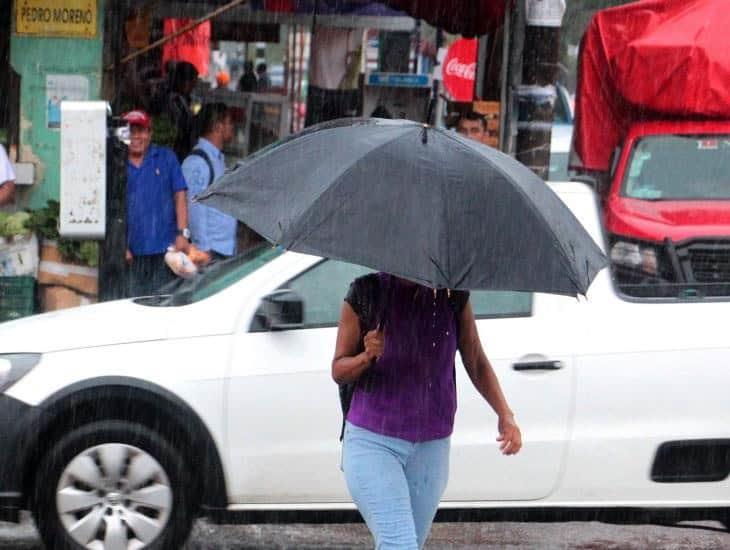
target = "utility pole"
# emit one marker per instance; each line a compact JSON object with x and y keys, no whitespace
{"x":532,"y":79}
{"x":112,"y":250}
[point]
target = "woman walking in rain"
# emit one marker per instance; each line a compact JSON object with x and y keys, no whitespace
{"x":396,"y":344}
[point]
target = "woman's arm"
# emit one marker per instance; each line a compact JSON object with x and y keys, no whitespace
{"x":485,"y":381}
{"x":348,"y":364}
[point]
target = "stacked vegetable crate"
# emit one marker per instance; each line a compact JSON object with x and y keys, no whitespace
{"x":18,"y":267}
{"x":17,"y":297}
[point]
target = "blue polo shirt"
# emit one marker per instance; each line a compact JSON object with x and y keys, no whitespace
{"x":151,"y":219}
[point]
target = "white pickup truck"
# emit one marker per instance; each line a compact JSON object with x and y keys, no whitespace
{"x":119,"y":422}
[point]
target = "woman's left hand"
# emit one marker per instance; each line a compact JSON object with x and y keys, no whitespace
{"x":510,"y":437}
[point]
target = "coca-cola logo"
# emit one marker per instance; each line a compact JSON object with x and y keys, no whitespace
{"x":461,"y":70}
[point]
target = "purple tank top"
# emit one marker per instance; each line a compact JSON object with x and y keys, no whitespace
{"x":410,"y":392}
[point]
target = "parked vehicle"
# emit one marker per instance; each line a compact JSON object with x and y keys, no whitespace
{"x":658,"y":143}
{"x":121,"y":421}
{"x":560,"y":136}
{"x":668,"y":207}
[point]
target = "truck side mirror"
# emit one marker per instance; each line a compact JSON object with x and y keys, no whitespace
{"x":590,"y":181}
{"x":281,"y":310}
{"x":599,"y":185}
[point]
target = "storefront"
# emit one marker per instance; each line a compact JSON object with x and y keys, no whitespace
{"x":323,"y":60}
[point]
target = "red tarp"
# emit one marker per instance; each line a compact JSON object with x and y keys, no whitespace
{"x":651,"y":58}
{"x":192,"y":46}
{"x":466,"y":17}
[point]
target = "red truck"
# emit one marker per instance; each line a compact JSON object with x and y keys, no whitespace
{"x":653,"y":130}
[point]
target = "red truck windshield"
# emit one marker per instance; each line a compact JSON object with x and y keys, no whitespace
{"x":679,"y":168}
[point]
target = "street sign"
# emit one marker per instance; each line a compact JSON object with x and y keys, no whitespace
{"x":399,"y":80}
{"x":64,"y":18}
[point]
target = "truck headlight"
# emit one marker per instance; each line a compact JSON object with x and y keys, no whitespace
{"x":13,"y":366}
{"x":635,"y":256}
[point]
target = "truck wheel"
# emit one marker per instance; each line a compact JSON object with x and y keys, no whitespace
{"x":114,"y":485}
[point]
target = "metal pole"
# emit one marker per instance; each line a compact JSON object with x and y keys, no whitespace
{"x":536,"y":94}
{"x":112,"y":250}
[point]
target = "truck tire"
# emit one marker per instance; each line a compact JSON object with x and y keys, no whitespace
{"x":112,"y":484}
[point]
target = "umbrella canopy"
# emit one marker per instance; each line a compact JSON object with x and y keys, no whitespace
{"x":419,"y":202}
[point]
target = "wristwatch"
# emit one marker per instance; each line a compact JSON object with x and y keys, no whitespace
{"x":185,"y":232}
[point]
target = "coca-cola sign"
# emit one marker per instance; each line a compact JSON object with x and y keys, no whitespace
{"x":459,"y":69}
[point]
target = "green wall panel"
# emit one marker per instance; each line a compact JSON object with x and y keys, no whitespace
{"x":34,"y":58}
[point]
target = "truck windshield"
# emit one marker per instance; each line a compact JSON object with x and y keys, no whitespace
{"x":679,"y":168}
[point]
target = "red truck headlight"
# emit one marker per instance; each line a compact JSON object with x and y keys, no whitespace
{"x":635,"y":256}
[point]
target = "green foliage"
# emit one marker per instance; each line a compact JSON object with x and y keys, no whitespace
{"x":44,"y":223}
{"x":163,"y":130}
{"x":13,"y":224}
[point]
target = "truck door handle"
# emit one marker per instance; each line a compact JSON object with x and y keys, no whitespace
{"x":538,"y":365}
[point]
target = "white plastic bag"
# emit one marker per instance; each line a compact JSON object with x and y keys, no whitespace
{"x":179,"y":263}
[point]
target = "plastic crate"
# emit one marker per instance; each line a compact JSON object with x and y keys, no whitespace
{"x":17,"y":297}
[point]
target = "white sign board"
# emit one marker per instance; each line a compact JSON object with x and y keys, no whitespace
{"x":83,"y":169}
{"x":545,"y":13}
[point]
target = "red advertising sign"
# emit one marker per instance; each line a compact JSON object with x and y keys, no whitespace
{"x":459,"y":69}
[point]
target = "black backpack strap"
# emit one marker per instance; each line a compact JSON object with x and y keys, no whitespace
{"x":203,"y":155}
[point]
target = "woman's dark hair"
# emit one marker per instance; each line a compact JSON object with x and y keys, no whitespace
{"x":181,"y":73}
{"x":381,"y":112}
{"x":210,"y":114}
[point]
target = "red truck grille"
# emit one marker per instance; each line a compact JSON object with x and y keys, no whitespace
{"x":710,"y":263}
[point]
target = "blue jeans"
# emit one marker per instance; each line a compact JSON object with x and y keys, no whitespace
{"x":396,"y":484}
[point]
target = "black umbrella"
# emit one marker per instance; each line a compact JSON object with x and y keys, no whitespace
{"x":419,"y":202}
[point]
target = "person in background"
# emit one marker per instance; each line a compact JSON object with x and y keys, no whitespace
{"x":157,"y":210}
{"x":7,"y":179}
{"x":472,"y":125}
{"x":213,"y":232}
{"x":263,"y":80}
{"x":183,"y":77}
{"x":248,"y":81}
{"x":222,"y":79}
{"x":381,"y":111}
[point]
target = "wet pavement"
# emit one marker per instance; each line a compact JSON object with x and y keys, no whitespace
{"x":492,"y":536}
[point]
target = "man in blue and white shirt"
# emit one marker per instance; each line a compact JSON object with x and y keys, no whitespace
{"x":212,"y":231}
{"x":7,"y":179}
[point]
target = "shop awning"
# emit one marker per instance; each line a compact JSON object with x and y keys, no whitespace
{"x":467,"y":17}
{"x":354,"y":14}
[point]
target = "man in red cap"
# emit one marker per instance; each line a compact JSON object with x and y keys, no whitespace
{"x":157,"y":214}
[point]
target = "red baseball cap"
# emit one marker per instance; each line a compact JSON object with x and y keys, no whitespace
{"x":138,"y":118}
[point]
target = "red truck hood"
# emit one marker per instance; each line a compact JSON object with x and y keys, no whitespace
{"x":678,"y":220}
